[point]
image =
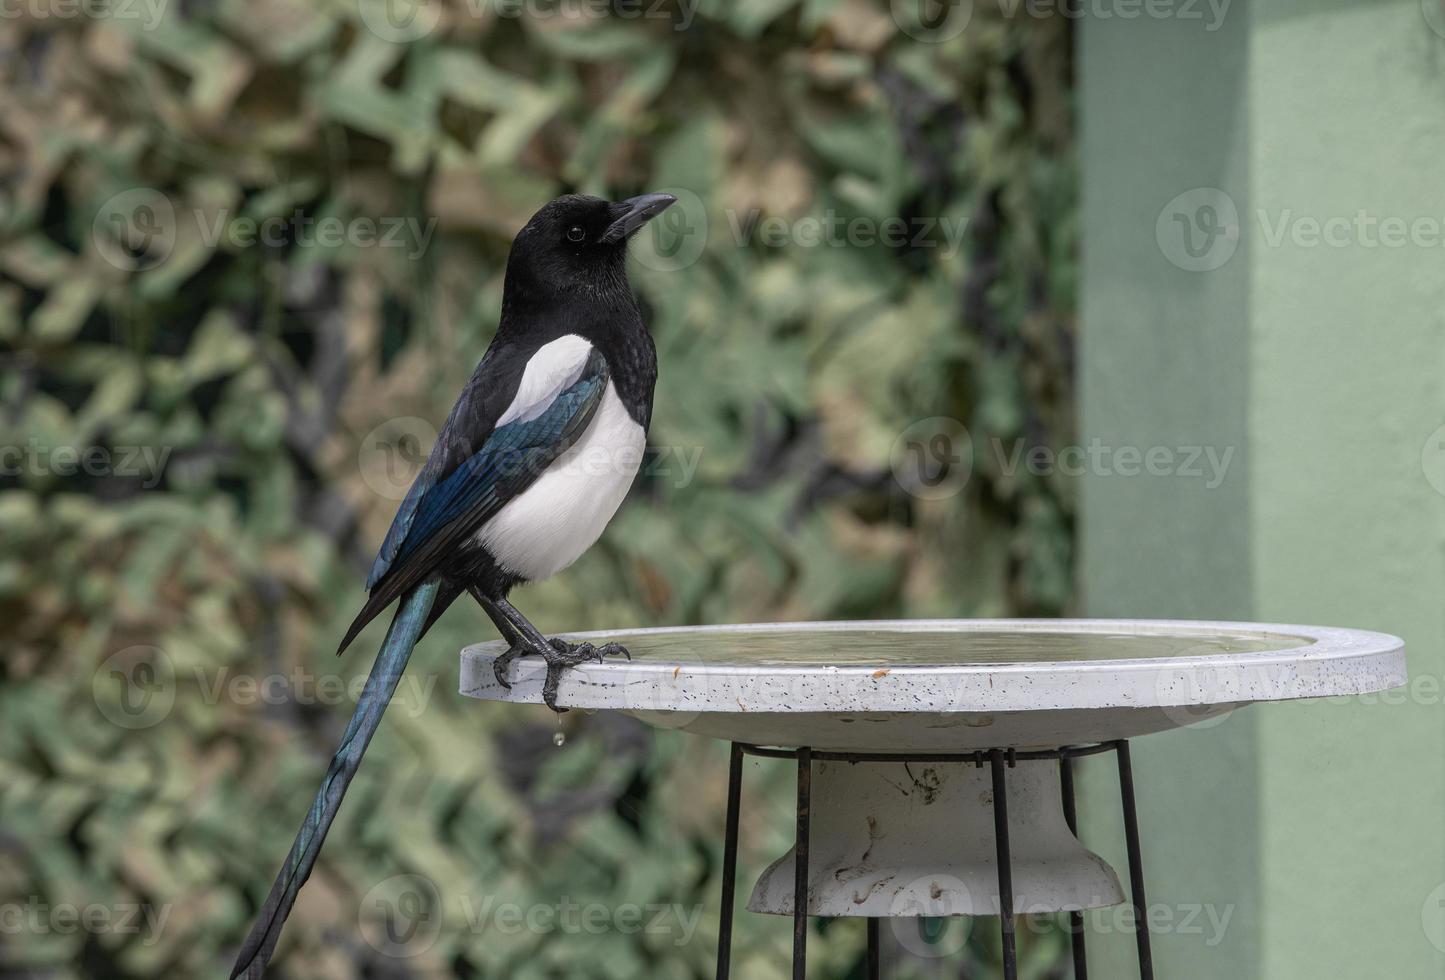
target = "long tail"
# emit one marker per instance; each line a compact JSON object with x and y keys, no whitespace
{"x":410,"y":623}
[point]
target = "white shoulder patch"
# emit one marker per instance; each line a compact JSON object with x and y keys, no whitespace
{"x":551,"y":371}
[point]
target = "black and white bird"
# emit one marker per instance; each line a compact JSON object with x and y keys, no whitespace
{"x":533,"y":461}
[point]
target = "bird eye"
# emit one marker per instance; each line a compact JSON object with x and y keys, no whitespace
{"x":575,"y":233}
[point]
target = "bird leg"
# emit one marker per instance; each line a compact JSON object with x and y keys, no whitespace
{"x":526,"y":639}
{"x":516,"y":646}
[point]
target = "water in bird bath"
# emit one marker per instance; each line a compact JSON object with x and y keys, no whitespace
{"x":861,"y":646}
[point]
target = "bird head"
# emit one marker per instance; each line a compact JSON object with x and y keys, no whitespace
{"x":580,"y":242}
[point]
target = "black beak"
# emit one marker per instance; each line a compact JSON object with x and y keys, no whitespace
{"x":635,"y":212}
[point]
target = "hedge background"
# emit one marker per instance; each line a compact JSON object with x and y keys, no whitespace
{"x":206,"y":433}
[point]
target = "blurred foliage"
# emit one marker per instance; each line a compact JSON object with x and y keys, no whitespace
{"x":203,"y":426}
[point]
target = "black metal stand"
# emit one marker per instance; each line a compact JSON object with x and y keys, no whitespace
{"x":999,"y":762}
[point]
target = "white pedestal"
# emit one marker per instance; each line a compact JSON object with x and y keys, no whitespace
{"x":892,"y":839}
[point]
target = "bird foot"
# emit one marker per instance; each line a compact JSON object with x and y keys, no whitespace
{"x":559,"y":655}
{"x":500,"y":665}
{"x":564,"y":655}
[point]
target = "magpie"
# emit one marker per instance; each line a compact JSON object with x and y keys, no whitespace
{"x":531,"y":464}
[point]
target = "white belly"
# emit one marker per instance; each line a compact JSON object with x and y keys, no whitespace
{"x":549,"y":525}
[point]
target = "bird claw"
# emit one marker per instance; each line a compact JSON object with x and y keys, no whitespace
{"x":560,"y":655}
{"x":565,"y":655}
{"x":500,"y":665}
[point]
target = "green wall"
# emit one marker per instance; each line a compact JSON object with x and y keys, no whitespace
{"x":1318,"y":829}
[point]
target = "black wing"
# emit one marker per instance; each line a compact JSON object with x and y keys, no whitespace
{"x":448,"y":503}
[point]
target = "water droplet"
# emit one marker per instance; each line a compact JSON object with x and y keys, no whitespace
{"x":559,"y":739}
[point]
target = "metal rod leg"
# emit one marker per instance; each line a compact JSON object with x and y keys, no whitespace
{"x":730,"y":864}
{"x":1136,"y":862}
{"x":800,"y":865}
{"x":1076,"y":919}
{"x":875,"y":953}
{"x":1005,"y":869}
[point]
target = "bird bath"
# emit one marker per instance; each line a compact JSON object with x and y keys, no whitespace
{"x":934,"y":756}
